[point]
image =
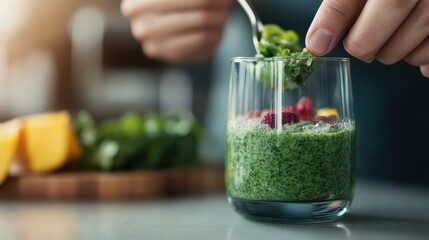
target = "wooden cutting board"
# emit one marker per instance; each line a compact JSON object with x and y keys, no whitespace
{"x":146,"y":184}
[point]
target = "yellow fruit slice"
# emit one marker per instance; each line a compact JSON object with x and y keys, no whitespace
{"x":45,"y":141}
{"x":327,"y":112}
{"x":9,"y":133}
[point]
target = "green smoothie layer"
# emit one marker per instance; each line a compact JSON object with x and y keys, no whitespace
{"x":304,"y":162}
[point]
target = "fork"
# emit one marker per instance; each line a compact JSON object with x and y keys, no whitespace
{"x":256,"y":23}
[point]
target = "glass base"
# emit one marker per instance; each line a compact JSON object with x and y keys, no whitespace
{"x":293,"y":212}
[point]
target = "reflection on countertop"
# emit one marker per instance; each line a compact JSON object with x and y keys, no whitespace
{"x":379,"y":212}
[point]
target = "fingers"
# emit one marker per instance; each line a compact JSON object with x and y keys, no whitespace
{"x":410,"y":34}
{"x":420,"y":55}
{"x":373,"y":28}
{"x":133,"y":8}
{"x":187,"y":47}
{"x":177,"y":31}
{"x":177,"y":23}
{"x":425,"y":70}
{"x":332,"y":20}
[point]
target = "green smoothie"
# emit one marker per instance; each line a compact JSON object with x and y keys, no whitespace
{"x":303,"y":162}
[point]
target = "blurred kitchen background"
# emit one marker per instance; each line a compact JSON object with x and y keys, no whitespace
{"x":80,"y":54}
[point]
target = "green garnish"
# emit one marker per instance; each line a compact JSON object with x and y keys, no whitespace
{"x":274,"y":40}
{"x":298,"y":63}
{"x":138,"y":142}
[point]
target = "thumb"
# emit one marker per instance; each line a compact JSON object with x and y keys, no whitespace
{"x":331,"y":22}
{"x":425,"y":70}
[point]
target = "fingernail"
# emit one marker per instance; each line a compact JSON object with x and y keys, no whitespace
{"x":150,"y":49}
{"x":369,"y":60}
{"x":321,"y":40}
{"x":425,"y":70}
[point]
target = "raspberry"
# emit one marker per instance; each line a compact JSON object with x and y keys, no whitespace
{"x":253,"y":115}
{"x":270,"y":119}
{"x":266,"y":111}
{"x":292,"y":109}
{"x":287,"y":117}
{"x":306,"y":115}
{"x":305,"y":108}
{"x":305,"y":104}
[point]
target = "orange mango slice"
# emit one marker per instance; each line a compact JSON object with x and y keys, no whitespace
{"x":9,"y":134}
{"x":327,"y":112}
{"x":45,"y":141}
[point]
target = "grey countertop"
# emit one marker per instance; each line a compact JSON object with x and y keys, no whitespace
{"x":378,"y":212}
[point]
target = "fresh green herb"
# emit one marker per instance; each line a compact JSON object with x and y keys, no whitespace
{"x":296,"y":62}
{"x":135,"y":142}
{"x":274,"y":40}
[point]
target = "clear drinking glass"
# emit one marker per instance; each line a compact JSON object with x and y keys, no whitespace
{"x":290,"y":154}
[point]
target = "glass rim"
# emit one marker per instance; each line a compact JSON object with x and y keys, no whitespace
{"x":258,"y":59}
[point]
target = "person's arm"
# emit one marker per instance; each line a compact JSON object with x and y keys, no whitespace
{"x":177,"y":31}
{"x":386,"y":30}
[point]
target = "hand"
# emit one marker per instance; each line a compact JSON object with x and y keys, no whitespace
{"x":386,"y":30}
{"x":177,"y":31}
